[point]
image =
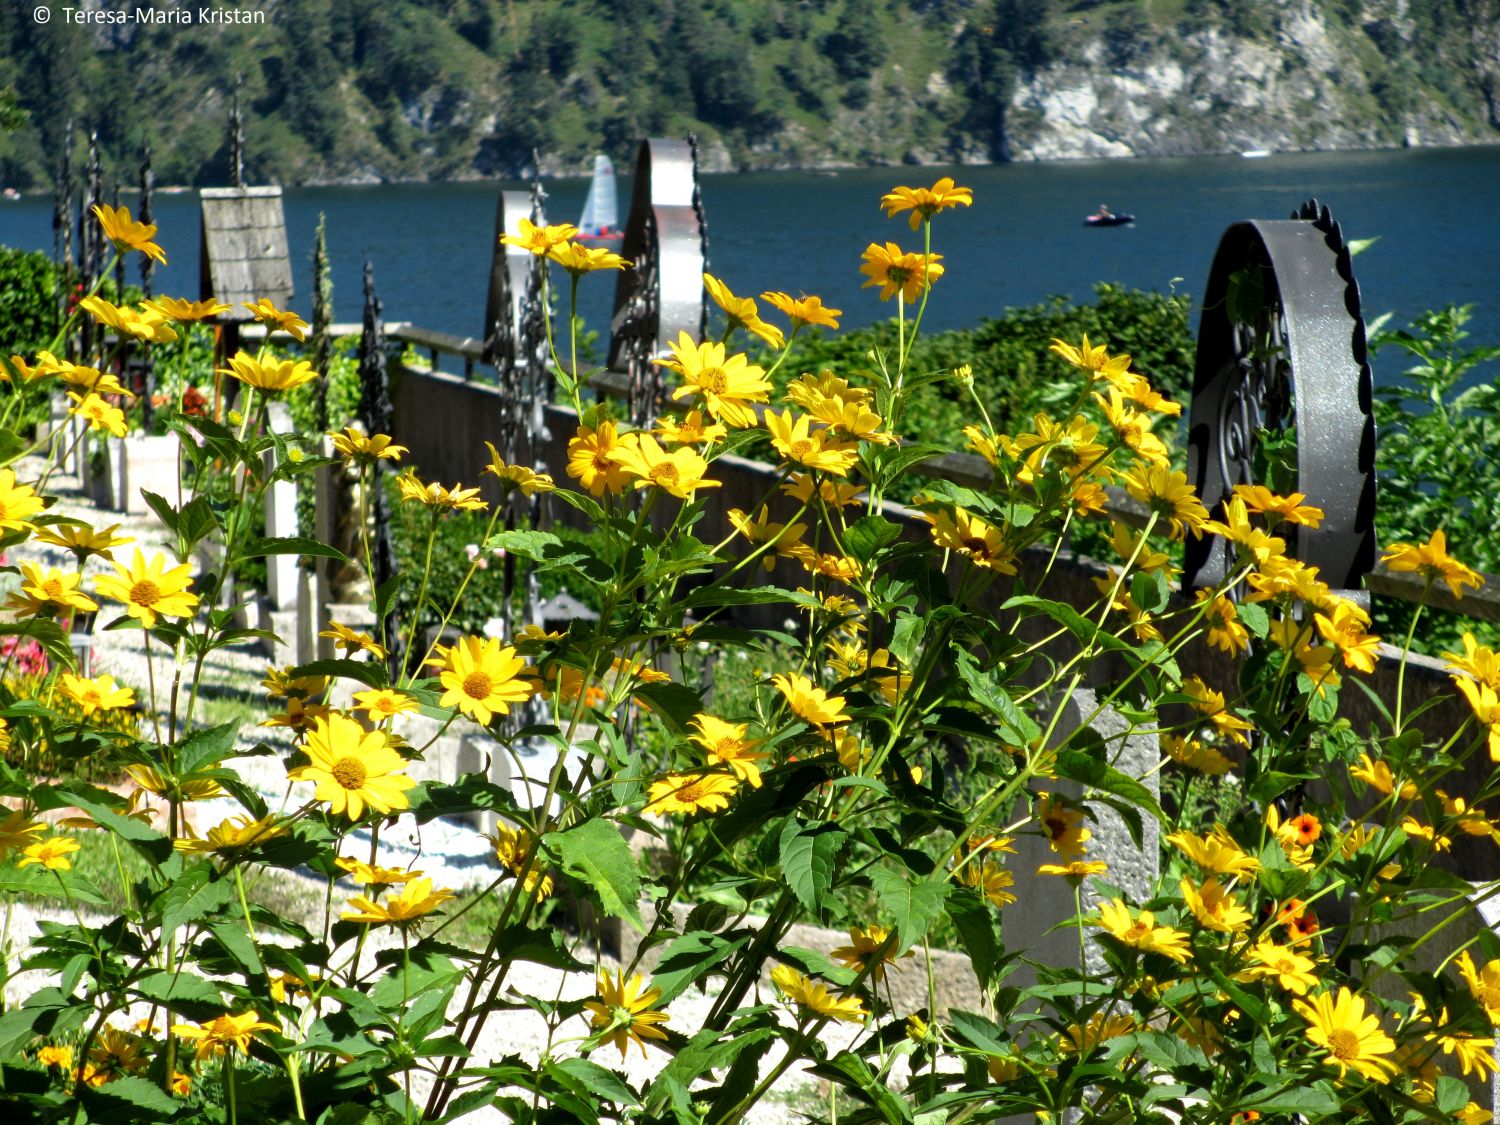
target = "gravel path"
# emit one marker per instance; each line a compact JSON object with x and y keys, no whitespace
{"x":452,"y":854}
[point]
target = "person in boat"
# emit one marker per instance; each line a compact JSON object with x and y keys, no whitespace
{"x":1103,"y":213}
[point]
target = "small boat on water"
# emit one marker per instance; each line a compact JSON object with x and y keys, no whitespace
{"x":600,"y":210}
{"x":11,"y":195}
{"x":1108,"y":219}
{"x":1256,"y":153}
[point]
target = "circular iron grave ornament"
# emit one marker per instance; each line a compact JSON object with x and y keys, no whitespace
{"x":1282,"y":395}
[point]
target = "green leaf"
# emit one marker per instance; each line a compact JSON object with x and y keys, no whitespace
{"x":580,"y":1075}
{"x":178,"y":988}
{"x":724,"y":595}
{"x":1312,"y":1101}
{"x":807,"y":861}
{"x":1065,"y":615}
{"x":689,"y":958}
{"x":708,"y":1050}
{"x":911,"y":906}
{"x":129,"y":1098}
{"x":674,"y":704}
{"x":526,"y":544}
{"x":906,"y":637}
{"x":1170,"y":1053}
{"x":163,"y":509}
{"x":855,"y":1075}
{"x":865,"y":538}
{"x":205,"y":747}
{"x":1253,"y":617}
{"x":597,"y":856}
{"x":1017,"y":728}
{"x":291,"y":545}
{"x":192,"y":895}
{"x":368,"y":672}
{"x":979,"y":1032}
{"x":540,"y":947}
{"x":48,"y":634}
{"x":976,"y":931}
{"x":1081,"y":766}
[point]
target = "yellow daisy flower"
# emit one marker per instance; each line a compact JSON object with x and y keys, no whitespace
{"x":353,"y":445}
{"x":810,"y":702}
{"x":1432,"y":561}
{"x":51,"y":853}
{"x":512,"y":847}
{"x":353,"y":768}
{"x":690,"y":793}
{"x":277,"y":319}
{"x":923,"y":203}
{"x":863,"y":945}
{"x":269,"y":375}
{"x":126,"y":233}
{"x":101,"y":416}
{"x":482,"y":678}
{"x":18,"y":502}
{"x":383,"y":703}
{"x":813,"y":996}
{"x":149,"y":590}
{"x":899,"y":271}
{"x":624,"y":1011}
{"x":804,"y":310}
{"x":438,"y":498}
{"x":727,"y":383}
{"x":1352,"y":1036}
{"x":1140,"y":931}
{"x":591,"y":462}
{"x":97,"y":694}
{"x":578,"y":259}
{"x":742,"y":312}
{"x":83,"y":540}
{"x":528,"y":482}
{"x":726,"y":745}
{"x":223,"y":1033}
{"x":415,"y":900}
{"x":49,"y":589}
{"x":184,"y":311}
{"x":540,"y":241}
{"x":679,"y":473}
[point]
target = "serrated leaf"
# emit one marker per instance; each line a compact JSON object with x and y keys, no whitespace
{"x":976,"y":931}
{"x":910,"y":905}
{"x":689,"y":958}
{"x":129,"y":1098}
{"x":192,"y":895}
{"x":868,"y":535}
{"x":674,"y":704}
{"x":807,"y":861}
{"x":581,"y":1075}
{"x":1084,"y":767}
{"x":178,"y":988}
{"x":597,"y":855}
{"x":291,"y":545}
{"x":205,"y":747}
{"x":526,"y":544}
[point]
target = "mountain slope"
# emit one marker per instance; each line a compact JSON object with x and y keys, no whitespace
{"x":346,"y":90}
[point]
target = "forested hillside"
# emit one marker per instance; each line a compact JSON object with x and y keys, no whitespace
{"x":350,"y":90}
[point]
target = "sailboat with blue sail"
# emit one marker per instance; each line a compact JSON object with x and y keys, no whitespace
{"x":600,"y":222}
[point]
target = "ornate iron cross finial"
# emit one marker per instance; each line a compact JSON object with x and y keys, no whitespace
{"x":1282,"y":393}
{"x":236,"y":140}
{"x":662,"y":294}
{"x":377,"y":416}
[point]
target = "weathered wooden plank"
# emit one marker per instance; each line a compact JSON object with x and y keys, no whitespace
{"x":244,"y":248}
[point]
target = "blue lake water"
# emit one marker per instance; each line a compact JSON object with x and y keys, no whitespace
{"x":1434,"y":210}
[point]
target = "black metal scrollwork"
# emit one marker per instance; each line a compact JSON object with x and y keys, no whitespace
{"x":662,"y":294}
{"x":1282,"y":393}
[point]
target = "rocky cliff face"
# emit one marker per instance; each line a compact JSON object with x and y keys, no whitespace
{"x":1314,"y":85}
